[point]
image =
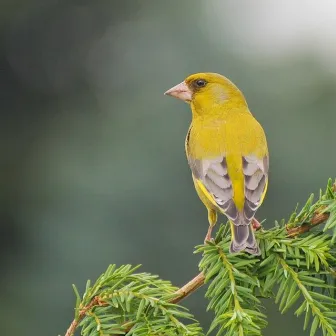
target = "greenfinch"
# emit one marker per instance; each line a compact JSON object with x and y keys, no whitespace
{"x":227,"y":152}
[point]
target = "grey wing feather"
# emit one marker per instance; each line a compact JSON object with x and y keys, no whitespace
{"x":214,"y":174}
{"x":255,"y":174}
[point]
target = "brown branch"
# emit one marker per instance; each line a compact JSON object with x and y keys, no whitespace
{"x":318,"y":218}
{"x":189,"y":288}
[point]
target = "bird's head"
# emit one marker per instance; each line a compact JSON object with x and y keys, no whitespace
{"x":205,"y":89}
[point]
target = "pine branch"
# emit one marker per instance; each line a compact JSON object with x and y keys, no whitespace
{"x":232,"y":288}
{"x":124,"y":302}
{"x":320,"y":311}
{"x":179,"y":295}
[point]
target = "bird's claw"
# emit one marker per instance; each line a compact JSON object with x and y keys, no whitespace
{"x":211,"y":240}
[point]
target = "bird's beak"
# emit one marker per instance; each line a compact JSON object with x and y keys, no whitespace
{"x":180,"y":91}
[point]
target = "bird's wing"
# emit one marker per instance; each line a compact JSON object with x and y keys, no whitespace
{"x":255,"y":183}
{"x":213,"y":178}
{"x":215,"y":182}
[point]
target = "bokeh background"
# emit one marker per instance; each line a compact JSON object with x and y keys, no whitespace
{"x":93,"y":169}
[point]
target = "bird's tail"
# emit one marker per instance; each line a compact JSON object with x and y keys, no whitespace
{"x":243,"y":239}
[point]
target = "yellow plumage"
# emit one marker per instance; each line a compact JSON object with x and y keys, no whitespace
{"x":227,"y":152}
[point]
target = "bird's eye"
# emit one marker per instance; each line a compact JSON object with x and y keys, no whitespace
{"x":200,"y":83}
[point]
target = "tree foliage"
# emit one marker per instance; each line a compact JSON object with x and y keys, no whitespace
{"x":296,"y":270}
{"x":138,"y":303}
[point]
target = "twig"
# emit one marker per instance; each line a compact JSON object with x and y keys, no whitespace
{"x":94,"y":302}
{"x":189,"y":288}
{"x":319,"y":217}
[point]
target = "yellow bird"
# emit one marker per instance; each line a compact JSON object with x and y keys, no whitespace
{"x":227,"y":152}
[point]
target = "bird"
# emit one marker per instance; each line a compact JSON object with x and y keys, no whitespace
{"x":227,"y":152}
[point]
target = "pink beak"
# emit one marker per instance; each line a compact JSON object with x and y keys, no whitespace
{"x":180,"y":91}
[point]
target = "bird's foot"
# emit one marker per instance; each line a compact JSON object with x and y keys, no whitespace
{"x":256,"y":225}
{"x":208,"y":235}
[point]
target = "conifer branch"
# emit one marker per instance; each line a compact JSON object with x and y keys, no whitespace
{"x":179,"y":295}
{"x":124,"y":302}
{"x":317,"y":311}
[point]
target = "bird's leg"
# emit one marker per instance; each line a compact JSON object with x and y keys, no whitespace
{"x":256,"y":225}
{"x":208,"y":235}
{"x":212,"y":218}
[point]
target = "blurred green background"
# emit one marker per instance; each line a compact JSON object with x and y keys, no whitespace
{"x":93,"y":169}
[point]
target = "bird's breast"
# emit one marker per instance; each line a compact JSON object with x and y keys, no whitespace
{"x":238,"y":135}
